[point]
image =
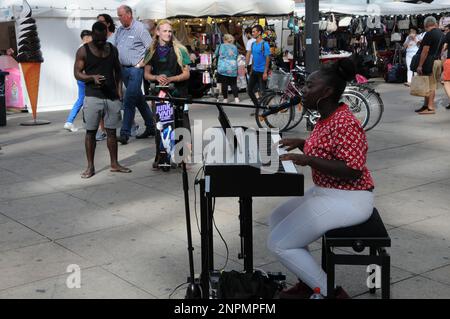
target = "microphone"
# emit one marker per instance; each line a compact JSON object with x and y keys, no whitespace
{"x":293,"y":101}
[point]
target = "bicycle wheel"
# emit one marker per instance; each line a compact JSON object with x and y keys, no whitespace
{"x":376,"y":105}
{"x":297,"y":117}
{"x":358,"y":105}
{"x":259,"y":110}
{"x":280,"y":119}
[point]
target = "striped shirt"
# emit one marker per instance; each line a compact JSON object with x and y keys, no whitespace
{"x":132,"y":43}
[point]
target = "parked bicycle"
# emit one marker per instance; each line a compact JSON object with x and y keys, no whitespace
{"x":278,"y":111}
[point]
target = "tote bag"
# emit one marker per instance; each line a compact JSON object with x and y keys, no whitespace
{"x":420,"y":86}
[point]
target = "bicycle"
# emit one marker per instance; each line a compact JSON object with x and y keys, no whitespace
{"x":265,"y":117}
{"x":271,"y":102}
{"x":374,"y":100}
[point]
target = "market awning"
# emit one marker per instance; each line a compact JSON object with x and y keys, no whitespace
{"x":154,"y":9}
{"x":212,"y":8}
{"x":386,"y":8}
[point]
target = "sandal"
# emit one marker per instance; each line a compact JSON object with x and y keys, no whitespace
{"x":121,"y":169}
{"x":423,"y":108}
{"x":427,"y":111}
{"x":87,"y":174}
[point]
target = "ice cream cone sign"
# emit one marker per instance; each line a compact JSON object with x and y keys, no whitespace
{"x":29,"y":54}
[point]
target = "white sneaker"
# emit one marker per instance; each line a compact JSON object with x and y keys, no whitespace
{"x":70,"y":127}
{"x":134,"y":130}
{"x":100,"y":136}
{"x":236,"y":100}
{"x":225,"y":101}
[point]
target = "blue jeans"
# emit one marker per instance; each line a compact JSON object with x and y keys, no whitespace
{"x":132,"y":78}
{"x":78,"y":104}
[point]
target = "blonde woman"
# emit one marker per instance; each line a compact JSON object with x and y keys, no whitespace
{"x":227,"y":67}
{"x":167,"y":61}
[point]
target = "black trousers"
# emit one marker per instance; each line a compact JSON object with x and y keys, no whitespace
{"x":229,"y":81}
{"x":256,"y":79}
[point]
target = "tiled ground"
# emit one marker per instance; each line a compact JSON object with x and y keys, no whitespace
{"x":127,"y":233}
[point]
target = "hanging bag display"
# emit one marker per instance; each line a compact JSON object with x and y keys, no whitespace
{"x":396,"y":36}
{"x":323,"y":24}
{"x":414,"y":22}
{"x":332,"y":24}
{"x":390,"y":24}
{"x":345,"y":22}
{"x":404,"y":24}
{"x":359,"y":29}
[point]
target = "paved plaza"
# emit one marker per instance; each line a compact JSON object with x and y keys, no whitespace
{"x":127,"y":232}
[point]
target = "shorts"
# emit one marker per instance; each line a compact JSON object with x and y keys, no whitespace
{"x":435,"y":77}
{"x":94,"y":109}
{"x":446,"y":76}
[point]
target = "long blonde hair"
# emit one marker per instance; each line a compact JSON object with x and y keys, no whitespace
{"x":177,"y":46}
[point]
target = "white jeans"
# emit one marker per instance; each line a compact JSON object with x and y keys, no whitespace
{"x":409,"y":57}
{"x":302,"y":220}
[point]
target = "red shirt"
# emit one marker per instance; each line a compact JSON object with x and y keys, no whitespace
{"x":340,"y":137}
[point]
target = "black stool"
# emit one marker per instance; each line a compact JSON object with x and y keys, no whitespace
{"x":371,"y":234}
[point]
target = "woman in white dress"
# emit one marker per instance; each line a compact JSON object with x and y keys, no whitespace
{"x":412,"y":46}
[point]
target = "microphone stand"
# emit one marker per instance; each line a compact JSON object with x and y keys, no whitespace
{"x":193,"y":291}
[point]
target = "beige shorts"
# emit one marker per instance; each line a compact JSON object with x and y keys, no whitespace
{"x":435,"y":77}
{"x":95,"y":109}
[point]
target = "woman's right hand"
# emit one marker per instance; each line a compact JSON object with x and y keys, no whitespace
{"x":292,"y":143}
{"x":162,"y":79}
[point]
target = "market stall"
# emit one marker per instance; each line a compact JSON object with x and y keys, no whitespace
{"x":201,"y":25}
{"x":373,"y":34}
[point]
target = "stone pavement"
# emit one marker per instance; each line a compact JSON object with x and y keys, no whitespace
{"x":128,"y":233}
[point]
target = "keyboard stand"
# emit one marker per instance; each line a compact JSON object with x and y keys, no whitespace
{"x":207,"y":243}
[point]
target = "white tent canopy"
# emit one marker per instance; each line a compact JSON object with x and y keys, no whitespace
{"x":60,"y":23}
{"x":218,"y":8}
{"x":155,"y":9}
{"x":378,"y":8}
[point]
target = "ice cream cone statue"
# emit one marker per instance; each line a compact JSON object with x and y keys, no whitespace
{"x":30,"y":57}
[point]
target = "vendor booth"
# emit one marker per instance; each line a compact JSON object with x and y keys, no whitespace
{"x":201,"y":25}
{"x":374,"y":34}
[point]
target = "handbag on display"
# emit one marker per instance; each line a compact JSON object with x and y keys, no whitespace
{"x":345,"y":22}
{"x":359,"y":29}
{"x":396,"y":37}
{"x":390,"y":24}
{"x":323,"y":24}
{"x":374,"y":22}
{"x":404,"y":24}
{"x":332,"y":25}
{"x":290,"y":39}
{"x":414,"y":22}
{"x":291,"y":23}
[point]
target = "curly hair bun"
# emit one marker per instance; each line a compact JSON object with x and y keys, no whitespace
{"x":346,"y":69}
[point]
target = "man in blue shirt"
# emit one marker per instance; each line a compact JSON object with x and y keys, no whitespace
{"x":132,"y":40}
{"x":261,"y":59}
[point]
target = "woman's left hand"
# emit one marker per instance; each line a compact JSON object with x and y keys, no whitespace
{"x":298,"y":159}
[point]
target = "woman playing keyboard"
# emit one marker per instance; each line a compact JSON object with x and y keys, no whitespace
{"x":343,"y":192}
